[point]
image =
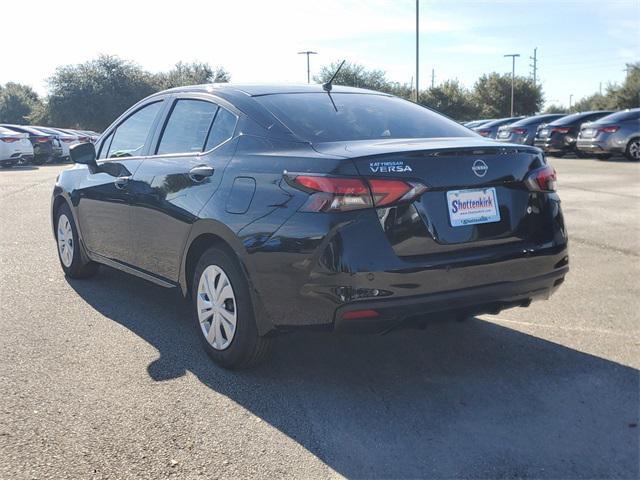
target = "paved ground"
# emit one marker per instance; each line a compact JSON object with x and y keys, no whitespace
{"x":105,"y":378}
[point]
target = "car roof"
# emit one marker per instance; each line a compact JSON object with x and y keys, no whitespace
{"x":255,"y":90}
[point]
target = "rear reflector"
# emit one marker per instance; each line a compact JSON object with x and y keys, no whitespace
{"x":542,"y":179}
{"x":327,"y":194}
{"x":355,"y":314}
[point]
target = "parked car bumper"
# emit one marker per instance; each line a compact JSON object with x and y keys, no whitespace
{"x":595,"y":146}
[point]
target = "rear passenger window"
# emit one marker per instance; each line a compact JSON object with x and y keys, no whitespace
{"x":222,"y":129}
{"x":187,"y":128}
{"x":130,"y":136}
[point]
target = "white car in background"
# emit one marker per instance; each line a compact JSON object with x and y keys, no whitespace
{"x":14,"y":148}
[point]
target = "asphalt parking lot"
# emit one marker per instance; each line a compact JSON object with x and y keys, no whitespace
{"x":105,"y":378}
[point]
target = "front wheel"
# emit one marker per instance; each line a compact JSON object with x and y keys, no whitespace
{"x":68,"y":248}
{"x":224,"y":312}
{"x":633,"y":150}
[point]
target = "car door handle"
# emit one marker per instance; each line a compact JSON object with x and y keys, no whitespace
{"x":199,"y":173}
{"x":122,"y":182}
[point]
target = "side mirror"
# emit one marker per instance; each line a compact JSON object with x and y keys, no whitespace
{"x":83,"y":153}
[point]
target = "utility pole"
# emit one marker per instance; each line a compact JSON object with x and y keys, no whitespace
{"x":513,"y":74}
{"x":600,"y":88}
{"x":433,"y":77}
{"x":570,"y":100}
{"x":307,"y":53}
{"x":534,"y":65}
{"x":417,"y":50}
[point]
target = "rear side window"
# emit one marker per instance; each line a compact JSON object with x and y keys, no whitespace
{"x":319,"y":117}
{"x":222,"y":129}
{"x":129,"y":139}
{"x":187,"y":128}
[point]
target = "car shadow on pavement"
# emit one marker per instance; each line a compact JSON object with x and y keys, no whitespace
{"x":470,"y":399}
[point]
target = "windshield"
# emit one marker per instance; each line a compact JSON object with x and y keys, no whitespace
{"x":352,"y":116}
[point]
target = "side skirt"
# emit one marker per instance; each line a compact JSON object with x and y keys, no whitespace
{"x":131,"y":270}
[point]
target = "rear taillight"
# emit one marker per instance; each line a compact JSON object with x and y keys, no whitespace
{"x":339,"y":194}
{"x":67,"y":140}
{"x":42,"y":139}
{"x":9,"y":139}
{"x":542,"y":179}
{"x":519,"y":131}
{"x":560,"y":130}
{"x":609,"y":129}
{"x":484,"y":133}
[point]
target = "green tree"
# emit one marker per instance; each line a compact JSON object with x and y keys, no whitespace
{"x":628,"y":94}
{"x":191,"y":74}
{"x":355,"y":75}
{"x":492,"y":94}
{"x":597,"y":101}
{"x":17,"y":103}
{"x":555,"y":109}
{"x":93,"y":94}
{"x":451,"y":99}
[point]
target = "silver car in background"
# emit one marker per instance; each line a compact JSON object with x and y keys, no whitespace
{"x":524,"y":131}
{"x":617,"y":133}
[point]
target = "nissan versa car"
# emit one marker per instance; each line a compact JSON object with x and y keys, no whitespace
{"x":14,"y":148}
{"x":615,"y":133}
{"x":524,"y":131}
{"x":46,"y":146}
{"x":310,"y":206}
{"x":559,"y":137}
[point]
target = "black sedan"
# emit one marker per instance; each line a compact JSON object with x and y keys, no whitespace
{"x":338,"y":208}
{"x":560,"y":136}
{"x":490,"y":129}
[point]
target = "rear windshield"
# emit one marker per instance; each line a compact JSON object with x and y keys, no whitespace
{"x":352,"y":116}
{"x":576,"y":117}
{"x":536,"y":119}
{"x":621,"y":116}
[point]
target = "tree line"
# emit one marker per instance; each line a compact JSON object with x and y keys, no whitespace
{"x":92,"y":94}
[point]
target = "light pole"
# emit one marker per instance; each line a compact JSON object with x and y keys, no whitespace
{"x":570,"y":100}
{"x":307,"y":53}
{"x":417,"y":50}
{"x":513,"y":74}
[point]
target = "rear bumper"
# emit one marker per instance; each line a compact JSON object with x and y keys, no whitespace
{"x":486,"y":299}
{"x":598,"y":146}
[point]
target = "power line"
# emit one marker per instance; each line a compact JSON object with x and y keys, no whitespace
{"x":534,"y":65}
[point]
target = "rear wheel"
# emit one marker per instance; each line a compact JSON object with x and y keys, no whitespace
{"x":68,"y":249}
{"x":633,"y":150}
{"x":224,"y":313}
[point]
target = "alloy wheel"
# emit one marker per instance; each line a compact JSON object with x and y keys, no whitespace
{"x":634,"y":149}
{"x":65,"y":240}
{"x":216,"y":303}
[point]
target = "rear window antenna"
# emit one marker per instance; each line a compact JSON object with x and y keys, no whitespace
{"x":327,"y":85}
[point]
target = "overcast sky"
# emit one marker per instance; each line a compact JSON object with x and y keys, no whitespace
{"x":580,"y":43}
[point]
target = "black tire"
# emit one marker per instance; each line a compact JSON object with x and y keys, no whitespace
{"x":627,"y":152}
{"x":247,"y":347}
{"x":78,"y":268}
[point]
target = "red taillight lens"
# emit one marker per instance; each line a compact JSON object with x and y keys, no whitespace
{"x":355,"y":314}
{"x":560,"y":130}
{"x":42,"y":139}
{"x":329,"y":194}
{"x":542,"y":179}
{"x":9,"y":139}
{"x":519,"y":131}
{"x":67,"y":139}
{"x":609,"y":129}
{"x":484,"y":133}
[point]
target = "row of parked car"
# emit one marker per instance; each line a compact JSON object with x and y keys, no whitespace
{"x":22,"y":144}
{"x":598,"y":134}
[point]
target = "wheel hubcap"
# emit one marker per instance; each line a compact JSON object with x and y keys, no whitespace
{"x":634,"y":150}
{"x":216,"y":305}
{"x":65,"y":240}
